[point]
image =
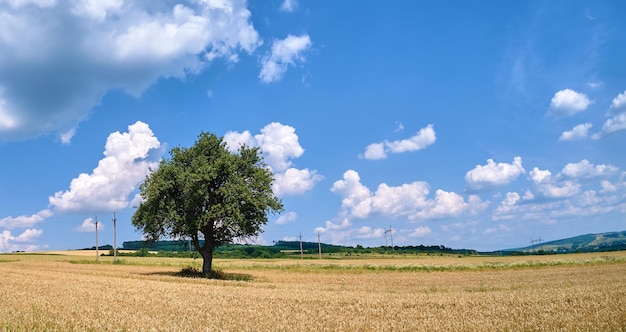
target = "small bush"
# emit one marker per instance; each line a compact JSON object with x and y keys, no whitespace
{"x":143,"y":252}
{"x":217,"y":274}
{"x":192,"y":272}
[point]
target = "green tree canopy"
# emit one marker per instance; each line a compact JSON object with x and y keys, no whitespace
{"x":206,"y":192}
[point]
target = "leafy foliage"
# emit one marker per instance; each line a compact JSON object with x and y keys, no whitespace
{"x":206,"y":192}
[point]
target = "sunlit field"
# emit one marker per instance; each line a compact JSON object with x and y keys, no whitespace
{"x":69,"y":291}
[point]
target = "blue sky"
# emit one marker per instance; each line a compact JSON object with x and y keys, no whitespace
{"x":476,"y":125}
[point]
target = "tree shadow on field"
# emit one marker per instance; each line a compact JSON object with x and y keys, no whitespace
{"x":190,"y":272}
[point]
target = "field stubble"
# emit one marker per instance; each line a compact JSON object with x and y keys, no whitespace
{"x":41,"y":292}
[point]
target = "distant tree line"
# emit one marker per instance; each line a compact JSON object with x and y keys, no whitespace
{"x":280,"y":249}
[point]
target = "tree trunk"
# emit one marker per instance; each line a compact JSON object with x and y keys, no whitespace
{"x":207,"y":260}
{"x":207,"y":254}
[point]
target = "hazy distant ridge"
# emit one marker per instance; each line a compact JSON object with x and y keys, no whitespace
{"x":583,"y":243}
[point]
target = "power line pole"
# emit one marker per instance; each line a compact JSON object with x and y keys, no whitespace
{"x":114,"y":238}
{"x":301,"y":253}
{"x":386,"y":242}
{"x":97,"y":238}
{"x":319,"y":245}
{"x":390,"y":232}
{"x":391,"y":237}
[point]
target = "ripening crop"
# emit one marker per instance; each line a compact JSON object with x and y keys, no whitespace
{"x":557,"y":293}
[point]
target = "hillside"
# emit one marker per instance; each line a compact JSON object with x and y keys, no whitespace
{"x":583,"y":243}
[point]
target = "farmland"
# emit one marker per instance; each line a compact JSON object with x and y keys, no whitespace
{"x":69,"y":291}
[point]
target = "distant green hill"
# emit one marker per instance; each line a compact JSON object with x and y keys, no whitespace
{"x":612,"y":241}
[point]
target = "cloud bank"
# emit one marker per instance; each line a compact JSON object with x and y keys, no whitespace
{"x":409,"y":200}
{"x":579,"y":189}
{"x":59,"y":58}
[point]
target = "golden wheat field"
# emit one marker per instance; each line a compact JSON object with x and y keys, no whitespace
{"x":66,"y":291}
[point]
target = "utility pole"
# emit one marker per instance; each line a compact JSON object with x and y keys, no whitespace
{"x":301,"y":253}
{"x":97,"y":238}
{"x":319,"y":245}
{"x":390,"y":232}
{"x":386,"y":242}
{"x":391,"y":237}
{"x":532,"y":245}
{"x":114,"y":238}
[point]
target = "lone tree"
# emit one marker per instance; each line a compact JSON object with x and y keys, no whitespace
{"x":206,"y":192}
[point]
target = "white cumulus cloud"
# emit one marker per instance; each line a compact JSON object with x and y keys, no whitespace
{"x":579,"y":189}
{"x":616,"y":123}
{"x":619,"y":101}
{"x":29,"y":235}
{"x":279,"y":145}
{"x":59,"y":58}
{"x":567,"y":183}
{"x":97,"y":10}
{"x":578,"y":132}
{"x":420,"y":231}
{"x":617,"y":117}
{"x":25,"y":221}
{"x":22,"y":242}
{"x":425,"y":137}
{"x":445,"y":204}
{"x":89,"y":225}
{"x":366,"y":232}
{"x":405,"y":199}
{"x":408,"y":200}
{"x":585,"y":170}
{"x":607,"y":187}
{"x":330,"y":226}
{"x":356,"y":196}
{"x":375,"y":151}
{"x":287,"y":218}
{"x":235,"y":139}
{"x":295,"y":181}
{"x":568,"y":102}
{"x":506,"y":206}
{"x":560,"y":190}
{"x":126,"y":163}
{"x":538,"y":176}
{"x":284,"y":53}
{"x":492,"y":174}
